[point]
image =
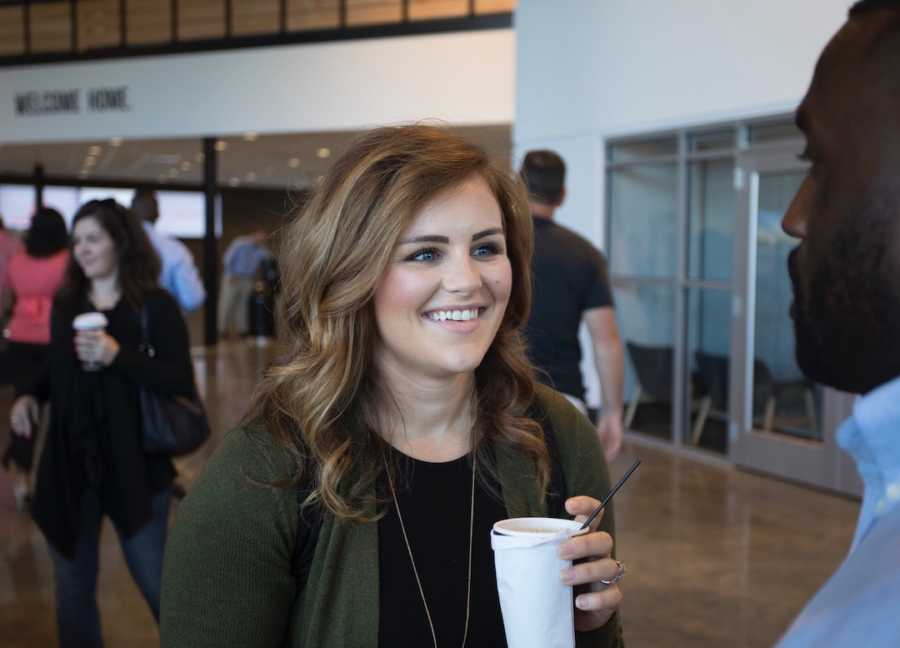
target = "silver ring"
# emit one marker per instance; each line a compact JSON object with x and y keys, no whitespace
{"x":615,"y":579}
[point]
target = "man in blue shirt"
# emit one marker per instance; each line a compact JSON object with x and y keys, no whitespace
{"x":179,"y":272}
{"x":846,"y":310}
{"x":241,"y":261}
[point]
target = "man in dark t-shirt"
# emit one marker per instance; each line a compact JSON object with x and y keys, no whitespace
{"x":570,"y":283}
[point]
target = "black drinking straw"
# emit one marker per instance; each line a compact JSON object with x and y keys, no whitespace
{"x":609,"y":495}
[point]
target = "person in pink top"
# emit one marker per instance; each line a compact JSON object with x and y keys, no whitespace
{"x":9,"y":246}
{"x":33,"y":276}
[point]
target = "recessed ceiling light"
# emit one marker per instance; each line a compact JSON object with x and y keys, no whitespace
{"x":250,"y":176}
{"x":186,"y":166}
{"x":221,"y":145}
{"x":94,"y":150}
{"x":294,"y":163}
{"x":251,"y":136}
{"x":115,"y":141}
{"x":234,"y":182}
{"x":323,"y":152}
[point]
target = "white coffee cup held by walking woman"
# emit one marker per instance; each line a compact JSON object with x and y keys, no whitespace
{"x":95,"y":253}
{"x":89,"y":339}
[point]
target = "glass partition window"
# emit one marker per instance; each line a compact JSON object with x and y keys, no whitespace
{"x":181,"y":213}
{"x":637,"y":150}
{"x":642,"y":216}
{"x":712,"y":209}
{"x":645,"y":314}
{"x":775,"y":131}
{"x":17,"y":206}
{"x":673,"y":210}
{"x":709,"y":141}
{"x":642,"y":203}
{"x":795,"y":408}
{"x":707,"y":368}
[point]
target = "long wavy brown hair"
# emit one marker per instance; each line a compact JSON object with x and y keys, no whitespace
{"x":323,"y":402}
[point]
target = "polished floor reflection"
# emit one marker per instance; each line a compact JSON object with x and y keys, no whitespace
{"x":715,"y":556}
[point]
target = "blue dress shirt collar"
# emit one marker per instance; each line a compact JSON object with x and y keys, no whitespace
{"x":872,"y":437}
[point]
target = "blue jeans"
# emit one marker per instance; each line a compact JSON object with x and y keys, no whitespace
{"x":77,"y":613}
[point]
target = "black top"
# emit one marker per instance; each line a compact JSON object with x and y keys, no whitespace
{"x":434,"y":500}
{"x":94,"y":440}
{"x":569,"y":276}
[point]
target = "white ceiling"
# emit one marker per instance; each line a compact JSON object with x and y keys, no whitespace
{"x":290,"y":160}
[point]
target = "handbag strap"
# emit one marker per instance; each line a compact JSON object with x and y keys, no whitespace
{"x":146,"y":346}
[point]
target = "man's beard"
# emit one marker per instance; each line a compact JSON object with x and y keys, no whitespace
{"x":848,"y":328}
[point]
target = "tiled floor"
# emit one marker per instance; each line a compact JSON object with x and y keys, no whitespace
{"x":716,"y":557}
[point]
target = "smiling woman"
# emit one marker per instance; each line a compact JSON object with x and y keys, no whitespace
{"x":442,"y":298}
{"x":390,"y":235}
{"x":354,"y":507}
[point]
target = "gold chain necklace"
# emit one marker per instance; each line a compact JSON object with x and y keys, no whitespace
{"x":413,"y":562}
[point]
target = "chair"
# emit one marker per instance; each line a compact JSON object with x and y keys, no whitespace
{"x":653,"y":367}
{"x":713,"y":371}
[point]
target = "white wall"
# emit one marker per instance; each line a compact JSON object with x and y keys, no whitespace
{"x":587,"y":70}
{"x":462,"y":78}
{"x":612,"y":66}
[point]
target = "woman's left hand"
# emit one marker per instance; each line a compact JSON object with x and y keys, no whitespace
{"x":594,"y":608}
{"x":96,"y":347}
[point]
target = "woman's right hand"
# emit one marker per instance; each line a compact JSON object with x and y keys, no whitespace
{"x":25,"y":412}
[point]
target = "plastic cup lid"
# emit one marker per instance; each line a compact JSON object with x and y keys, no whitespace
{"x":89,"y":321}
{"x":534,"y":526}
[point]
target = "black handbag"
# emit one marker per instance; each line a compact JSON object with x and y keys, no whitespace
{"x":172,"y":425}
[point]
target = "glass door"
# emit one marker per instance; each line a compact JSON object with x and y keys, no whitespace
{"x":783,"y":423}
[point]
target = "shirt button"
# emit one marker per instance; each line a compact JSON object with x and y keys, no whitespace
{"x":893,"y":492}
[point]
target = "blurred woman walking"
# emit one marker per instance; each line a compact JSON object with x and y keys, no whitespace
{"x":93,"y":464}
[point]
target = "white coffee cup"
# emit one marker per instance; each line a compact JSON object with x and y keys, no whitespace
{"x":537,"y":606}
{"x":90,"y":322}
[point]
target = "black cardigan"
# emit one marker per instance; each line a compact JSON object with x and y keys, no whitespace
{"x":94,"y":440}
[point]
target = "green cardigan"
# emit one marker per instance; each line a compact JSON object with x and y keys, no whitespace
{"x":228,"y":579}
